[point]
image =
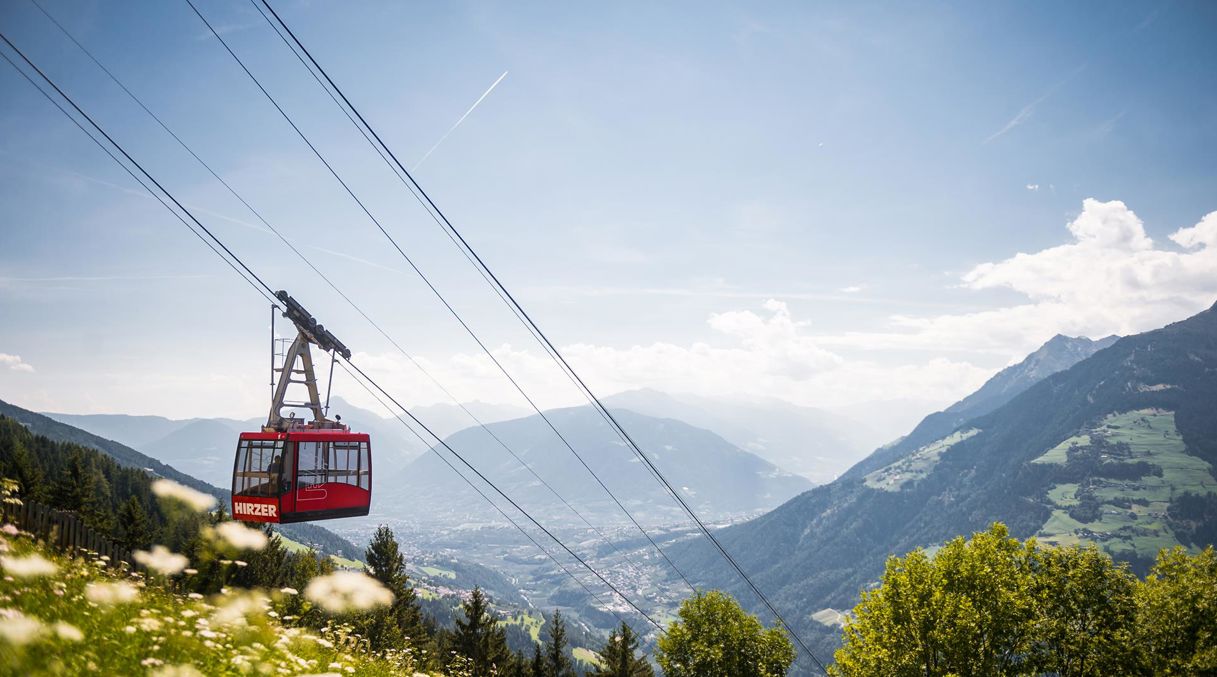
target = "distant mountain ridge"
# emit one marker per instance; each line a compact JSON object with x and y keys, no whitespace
{"x":1118,"y":450}
{"x":811,"y":442}
{"x":715,"y":476}
{"x":1058,"y":354}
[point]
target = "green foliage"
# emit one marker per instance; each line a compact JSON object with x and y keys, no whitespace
{"x":1177,"y":606}
{"x":480,"y":638}
{"x":619,"y":656}
{"x":716,"y":638}
{"x":991,"y":605}
{"x":558,"y":662}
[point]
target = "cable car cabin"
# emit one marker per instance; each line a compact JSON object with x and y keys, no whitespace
{"x":302,"y":475}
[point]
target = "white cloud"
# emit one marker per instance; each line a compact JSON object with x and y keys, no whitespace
{"x":852,"y":289}
{"x":754,"y":355}
{"x":1033,"y":187}
{"x":1111,"y":279}
{"x":15,"y":363}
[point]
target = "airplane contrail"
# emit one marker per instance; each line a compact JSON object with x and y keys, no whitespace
{"x":458,"y":122}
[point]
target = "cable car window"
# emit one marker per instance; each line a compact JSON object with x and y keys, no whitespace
{"x":259,"y":463}
{"x":313,"y":463}
{"x":349,"y":464}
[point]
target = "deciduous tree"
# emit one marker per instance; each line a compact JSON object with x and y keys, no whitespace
{"x":716,"y":638}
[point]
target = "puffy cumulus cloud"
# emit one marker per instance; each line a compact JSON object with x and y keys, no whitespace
{"x":1111,"y":279}
{"x":15,"y":363}
{"x":752,"y":355}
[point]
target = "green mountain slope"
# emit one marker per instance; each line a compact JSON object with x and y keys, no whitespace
{"x":1058,"y":354}
{"x":1118,"y":450}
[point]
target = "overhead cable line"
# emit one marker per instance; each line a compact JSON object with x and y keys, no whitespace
{"x":613,"y":546}
{"x":259,"y":280}
{"x":245,"y":275}
{"x":547,"y":344}
{"x":472,"y":485}
{"x":439,"y":295}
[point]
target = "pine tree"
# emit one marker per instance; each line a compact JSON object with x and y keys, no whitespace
{"x":387,"y":565}
{"x":74,"y":487}
{"x":480,"y":638}
{"x":617,"y":657}
{"x":557,"y":660}
{"x":135,"y":529}
{"x":538,"y":661}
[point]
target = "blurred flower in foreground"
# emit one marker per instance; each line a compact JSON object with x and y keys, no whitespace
{"x":196,"y":500}
{"x":17,"y":628}
{"x":162,"y":560}
{"x":344,"y":591}
{"x":241,"y":537}
{"x":176,"y":671}
{"x":68,"y":631}
{"x":28,"y":566}
{"x":111,"y":593}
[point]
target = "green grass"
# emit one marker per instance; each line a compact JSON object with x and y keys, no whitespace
{"x":51,"y":624}
{"x":586,"y":655}
{"x":340,"y":562}
{"x":437,"y":572}
{"x":1062,"y":495}
{"x":1152,"y":437}
{"x":531,"y":623}
{"x":916,"y":465}
{"x":1058,"y":454}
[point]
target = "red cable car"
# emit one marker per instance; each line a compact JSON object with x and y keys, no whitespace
{"x":297,"y":471}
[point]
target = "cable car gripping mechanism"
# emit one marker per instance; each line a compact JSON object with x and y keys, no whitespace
{"x":307,"y":332}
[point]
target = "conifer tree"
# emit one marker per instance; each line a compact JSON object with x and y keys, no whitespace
{"x":387,"y":565}
{"x":538,"y":661}
{"x":617,"y":658}
{"x":557,"y":660}
{"x":479,"y":637}
{"x":135,"y":529}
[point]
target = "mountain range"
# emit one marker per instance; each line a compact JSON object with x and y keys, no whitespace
{"x":714,"y":475}
{"x":1117,"y":449}
{"x":811,"y":442}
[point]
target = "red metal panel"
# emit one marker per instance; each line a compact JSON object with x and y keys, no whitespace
{"x":331,"y":496}
{"x":255,"y":509}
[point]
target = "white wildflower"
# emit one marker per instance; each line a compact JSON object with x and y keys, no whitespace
{"x":17,"y":628}
{"x":195,"y":595}
{"x":190,"y":572}
{"x":10,"y":530}
{"x":176,"y":671}
{"x":151,"y":662}
{"x":29,"y":566}
{"x":234,"y":610}
{"x":344,"y":591}
{"x":241,"y":537}
{"x":289,"y":591}
{"x":162,"y":560}
{"x":111,"y":593}
{"x":196,"y":500}
{"x":68,"y":632}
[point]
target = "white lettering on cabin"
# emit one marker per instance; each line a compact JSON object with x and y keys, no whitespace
{"x":259,"y":509}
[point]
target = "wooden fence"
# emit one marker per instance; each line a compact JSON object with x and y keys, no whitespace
{"x":64,"y":530}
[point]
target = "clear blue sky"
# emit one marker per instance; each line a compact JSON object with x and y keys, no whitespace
{"x":646,"y":177}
